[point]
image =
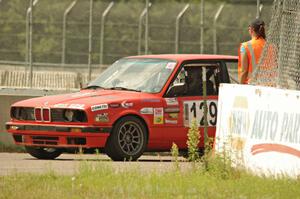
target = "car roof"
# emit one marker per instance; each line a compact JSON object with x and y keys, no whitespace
{"x":183,"y":57}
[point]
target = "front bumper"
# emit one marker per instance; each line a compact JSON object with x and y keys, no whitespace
{"x":61,"y":136}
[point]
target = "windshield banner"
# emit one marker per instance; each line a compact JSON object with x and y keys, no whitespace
{"x":259,"y":127}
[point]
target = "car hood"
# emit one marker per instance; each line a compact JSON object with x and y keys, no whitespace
{"x":83,"y":99}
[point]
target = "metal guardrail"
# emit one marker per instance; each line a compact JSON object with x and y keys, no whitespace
{"x":54,"y":65}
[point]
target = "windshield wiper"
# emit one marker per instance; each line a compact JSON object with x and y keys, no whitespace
{"x":94,"y":87}
{"x":123,"y":88}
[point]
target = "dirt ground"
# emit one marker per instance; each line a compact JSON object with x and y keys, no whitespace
{"x":68,"y":164}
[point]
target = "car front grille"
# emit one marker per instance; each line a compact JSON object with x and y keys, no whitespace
{"x":46,"y":114}
{"x":57,"y":115}
{"x":44,"y":140}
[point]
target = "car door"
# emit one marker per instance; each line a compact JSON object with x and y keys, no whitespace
{"x":185,"y":101}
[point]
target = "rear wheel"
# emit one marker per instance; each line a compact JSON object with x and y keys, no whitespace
{"x":43,"y":152}
{"x":128,"y":139}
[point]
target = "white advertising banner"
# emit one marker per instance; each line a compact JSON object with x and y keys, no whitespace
{"x":260,"y":128}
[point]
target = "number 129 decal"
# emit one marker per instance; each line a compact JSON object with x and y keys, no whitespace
{"x":195,"y":109}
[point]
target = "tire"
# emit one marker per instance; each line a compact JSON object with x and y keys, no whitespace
{"x":43,"y":153}
{"x":128,"y":139}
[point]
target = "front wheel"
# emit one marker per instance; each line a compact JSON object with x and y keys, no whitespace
{"x":128,"y":139}
{"x":44,"y":153}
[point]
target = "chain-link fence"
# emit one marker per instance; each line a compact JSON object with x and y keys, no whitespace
{"x":68,"y":33}
{"x":280,"y":62}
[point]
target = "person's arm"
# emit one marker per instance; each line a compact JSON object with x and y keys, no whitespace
{"x":244,"y":65}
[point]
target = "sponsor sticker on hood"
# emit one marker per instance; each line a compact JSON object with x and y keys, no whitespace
{"x":61,"y":105}
{"x":72,"y":106}
{"x":99,"y":107}
{"x":126,"y":104}
{"x":103,"y":117}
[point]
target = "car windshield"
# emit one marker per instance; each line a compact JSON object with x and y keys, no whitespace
{"x":145,"y":75}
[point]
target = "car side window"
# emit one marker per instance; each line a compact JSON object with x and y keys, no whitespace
{"x":188,"y":81}
{"x":232,"y":71}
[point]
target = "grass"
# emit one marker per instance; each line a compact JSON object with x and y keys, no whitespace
{"x":102,"y":181}
{"x":11,"y":148}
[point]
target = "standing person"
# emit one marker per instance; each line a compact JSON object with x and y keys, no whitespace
{"x":250,"y":51}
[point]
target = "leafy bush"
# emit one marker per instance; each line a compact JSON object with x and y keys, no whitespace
{"x":193,"y":141}
{"x":175,"y":153}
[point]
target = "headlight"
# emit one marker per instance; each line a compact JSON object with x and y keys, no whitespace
{"x":22,"y":113}
{"x":69,"y":114}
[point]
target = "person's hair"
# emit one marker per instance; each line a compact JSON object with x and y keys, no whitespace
{"x":258,"y":26}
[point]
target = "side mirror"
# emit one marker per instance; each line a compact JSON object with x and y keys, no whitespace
{"x":177,"y":89}
{"x":82,"y":85}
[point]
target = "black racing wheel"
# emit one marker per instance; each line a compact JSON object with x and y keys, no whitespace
{"x":128,"y":139}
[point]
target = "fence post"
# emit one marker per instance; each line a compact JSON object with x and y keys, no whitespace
{"x":205,"y":115}
{"x":140,"y":28}
{"x":215,"y":27}
{"x":177,"y":28}
{"x":30,"y":44}
{"x":27,"y":28}
{"x":90,"y":39}
{"x":147,"y":29}
{"x":105,"y":13}
{"x":202,"y":26}
{"x":260,"y":9}
{"x":282,"y":40}
{"x":29,"y":20}
{"x":67,"y":11}
{"x":257,"y":9}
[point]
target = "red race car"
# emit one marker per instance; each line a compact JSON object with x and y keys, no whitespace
{"x":138,"y":104}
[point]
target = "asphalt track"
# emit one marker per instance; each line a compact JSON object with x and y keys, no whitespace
{"x":69,"y":164}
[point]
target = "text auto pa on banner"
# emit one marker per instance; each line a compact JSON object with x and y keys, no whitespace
{"x":260,"y":128}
